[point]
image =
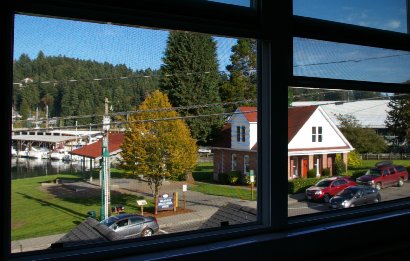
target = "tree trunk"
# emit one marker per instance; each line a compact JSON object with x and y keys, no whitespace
{"x":190,"y":178}
{"x":156,"y":200}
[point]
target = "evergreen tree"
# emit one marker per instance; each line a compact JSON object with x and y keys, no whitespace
{"x":158,"y":149}
{"x":191,"y":60}
{"x":242,"y":81}
{"x":66,"y":85}
{"x":398,"y":121}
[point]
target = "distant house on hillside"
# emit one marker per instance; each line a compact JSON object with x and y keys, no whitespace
{"x":313,"y":141}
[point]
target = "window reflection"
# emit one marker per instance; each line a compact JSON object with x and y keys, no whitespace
{"x":382,"y":14}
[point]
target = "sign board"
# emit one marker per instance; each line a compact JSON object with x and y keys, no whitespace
{"x":141,"y":202}
{"x":184,"y":188}
{"x":252,"y":178}
{"x":165,"y":202}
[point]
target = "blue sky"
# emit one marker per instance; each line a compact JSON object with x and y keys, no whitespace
{"x":343,"y":61}
{"x":144,"y":48}
{"x":135,"y":47}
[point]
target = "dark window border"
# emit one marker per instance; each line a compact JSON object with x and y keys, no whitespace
{"x":275,"y":231}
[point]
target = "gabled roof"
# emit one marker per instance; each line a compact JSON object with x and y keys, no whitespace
{"x":250,"y":113}
{"x":94,"y":150}
{"x":231,"y":214}
{"x":90,"y":231}
{"x":297,"y":117}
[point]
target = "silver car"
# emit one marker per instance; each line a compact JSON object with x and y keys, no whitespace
{"x":132,"y":225}
{"x":355,"y":196}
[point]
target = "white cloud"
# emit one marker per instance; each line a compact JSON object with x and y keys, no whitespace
{"x":393,"y":24}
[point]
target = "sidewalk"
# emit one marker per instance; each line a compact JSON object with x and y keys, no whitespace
{"x":202,"y":206}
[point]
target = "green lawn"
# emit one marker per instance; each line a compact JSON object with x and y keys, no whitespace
{"x":37,"y":213}
{"x":226,"y":191}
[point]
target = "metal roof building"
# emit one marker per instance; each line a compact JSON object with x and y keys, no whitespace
{"x":370,"y":113}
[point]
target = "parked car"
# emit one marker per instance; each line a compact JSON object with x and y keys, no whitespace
{"x":132,"y":225}
{"x":326,"y":188}
{"x":384,"y":174}
{"x":355,"y":196}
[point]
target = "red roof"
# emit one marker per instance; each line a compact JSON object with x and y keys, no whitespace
{"x":94,"y":150}
{"x":250,"y":116}
{"x":297,"y":117}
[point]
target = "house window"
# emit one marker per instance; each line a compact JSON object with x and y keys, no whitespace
{"x":234,"y":162}
{"x":317,"y":134}
{"x":246,"y":166}
{"x":243,"y":133}
{"x":238,"y":133}
{"x":313,"y":134}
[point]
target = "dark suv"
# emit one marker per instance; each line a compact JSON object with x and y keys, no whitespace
{"x":327,"y":188}
{"x":384,"y":174}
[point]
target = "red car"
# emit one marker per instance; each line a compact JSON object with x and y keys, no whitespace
{"x":327,"y":188}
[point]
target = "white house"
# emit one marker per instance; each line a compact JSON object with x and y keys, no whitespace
{"x":313,"y":141}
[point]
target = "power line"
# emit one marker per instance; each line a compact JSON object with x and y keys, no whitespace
{"x":119,"y":123}
{"x":189,"y":107}
{"x":351,"y":60}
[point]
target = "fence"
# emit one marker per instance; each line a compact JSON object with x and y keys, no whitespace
{"x":384,"y":156}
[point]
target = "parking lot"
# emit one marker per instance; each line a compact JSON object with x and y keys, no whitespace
{"x":301,"y":206}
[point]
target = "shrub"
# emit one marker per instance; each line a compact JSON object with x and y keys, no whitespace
{"x":223,"y":178}
{"x":234,"y":177}
{"x":202,"y":176}
{"x":299,"y":185}
{"x":354,"y":159}
{"x":311,"y":173}
{"x":325,"y":172}
{"x":358,"y":173}
{"x":340,"y":166}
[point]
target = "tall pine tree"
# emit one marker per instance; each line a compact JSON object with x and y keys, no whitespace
{"x":191,"y":61}
{"x":242,"y":81}
{"x":398,"y":121}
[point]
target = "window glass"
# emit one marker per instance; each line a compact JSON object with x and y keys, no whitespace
{"x":365,"y":136}
{"x":332,"y":60}
{"x":382,"y":14}
{"x":246,"y":164}
{"x":245,"y":3}
{"x":111,"y":119}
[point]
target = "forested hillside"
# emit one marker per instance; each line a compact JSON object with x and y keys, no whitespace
{"x":76,"y":87}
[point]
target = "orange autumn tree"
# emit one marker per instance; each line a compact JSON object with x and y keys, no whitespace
{"x":158,"y":144}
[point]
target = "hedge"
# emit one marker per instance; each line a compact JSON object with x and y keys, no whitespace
{"x":299,"y":185}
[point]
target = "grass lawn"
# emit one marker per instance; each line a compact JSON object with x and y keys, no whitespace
{"x":37,"y":213}
{"x":226,"y":191}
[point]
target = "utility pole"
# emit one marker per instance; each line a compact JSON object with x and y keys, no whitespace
{"x":46,"y":117}
{"x":105,"y":165}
